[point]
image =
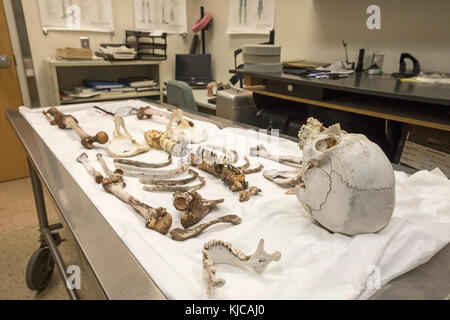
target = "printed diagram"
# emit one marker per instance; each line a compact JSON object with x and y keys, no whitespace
{"x":251,"y":16}
{"x":146,"y":11}
{"x":160,"y":15}
{"x":243,"y":11}
{"x":260,"y":8}
{"x":89,"y":15}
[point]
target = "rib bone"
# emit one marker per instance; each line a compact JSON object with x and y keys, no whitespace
{"x":176,"y":188}
{"x":64,"y":121}
{"x":161,"y":182}
{"x":153,"y":174}
{"x":132,"y":164}
{"x":183,"y":234}
{"x":261,"y":151}
{"x":217,"y":251}
{"x":198,"y":207}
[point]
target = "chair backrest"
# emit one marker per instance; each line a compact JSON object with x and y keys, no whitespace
{"x":179,"y":94}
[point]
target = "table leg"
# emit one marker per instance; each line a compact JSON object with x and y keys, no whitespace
{"x":40,"y":267}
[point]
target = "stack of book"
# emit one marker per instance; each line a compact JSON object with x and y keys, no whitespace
{"x":140,"y":83}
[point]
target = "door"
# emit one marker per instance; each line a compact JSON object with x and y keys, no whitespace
{"x":12,"y":155}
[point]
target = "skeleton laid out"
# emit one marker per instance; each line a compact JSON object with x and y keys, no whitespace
{"x":184,"y":234}
{"x":123,"y":145}
{"x":197,"y":207}
{"x":218,"y":251}
{"x":348,"y":183}
{"x":64,"y":121}
{"x":157,"y":219}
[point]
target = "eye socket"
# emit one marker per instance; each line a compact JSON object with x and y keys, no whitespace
{"x":325,"y":144}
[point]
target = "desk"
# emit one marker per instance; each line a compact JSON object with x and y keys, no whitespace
{"x":377,"y":96}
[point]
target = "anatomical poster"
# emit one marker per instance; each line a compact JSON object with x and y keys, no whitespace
{"x":86,"y":15}
{"x":251,"y":16}
{"x":160,"y":16}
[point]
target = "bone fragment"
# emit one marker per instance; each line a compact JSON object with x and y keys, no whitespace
{"x":132,"y":164}
{"x":198,"y":206}
{"x":176,"y":188}
{"x":245,"y":195}
{"x":183,"y":234}
{"x":174,"y":182}
{"x":286,"y":179}
{"x":261,"y":151}
{"x":154,"y":174}
{"x":108,"y":171}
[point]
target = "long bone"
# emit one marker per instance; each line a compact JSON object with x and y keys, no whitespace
{"x":157,"y":219}
{"x":161,"y":182}
{"x":286,"y":179}
{"x":183,"y":234}
{"x":261,"y":151}
{"x":83,"y":159}
{"x":133,"y":164}
{"x":154,"y":174}
{"x":64,"y":121}
{"x":176,"y":188}
{"x":198,"y":206}
{"x":218,"y":251}
{"x":108,"y":171}
{"x":148,"y":113}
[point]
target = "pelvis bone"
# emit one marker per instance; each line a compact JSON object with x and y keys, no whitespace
{"x":123,"y":145}
{"x":217,"y":251}
{"x":348,"y":183}
{"x":64,"y":121}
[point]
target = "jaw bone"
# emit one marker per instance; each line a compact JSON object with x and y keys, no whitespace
{"x":217,"y":251}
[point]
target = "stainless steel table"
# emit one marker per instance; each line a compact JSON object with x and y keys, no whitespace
{"x":108,"y":268}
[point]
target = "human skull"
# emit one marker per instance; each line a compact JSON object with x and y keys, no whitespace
{"x":348,"y":182}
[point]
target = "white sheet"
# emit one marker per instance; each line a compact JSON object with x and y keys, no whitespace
{"x":315,"y":264}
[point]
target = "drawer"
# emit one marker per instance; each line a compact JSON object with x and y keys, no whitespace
{"x":296,"y":90}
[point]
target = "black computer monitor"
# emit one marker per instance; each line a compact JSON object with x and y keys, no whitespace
{"x":193,"y":67}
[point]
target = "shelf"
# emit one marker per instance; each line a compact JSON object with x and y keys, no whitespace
{"x":103,"y":97}
{"x":88,"y":63}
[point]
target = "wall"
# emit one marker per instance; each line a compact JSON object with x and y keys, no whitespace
{"x":314,"y":29}
{"x":44,"y":46}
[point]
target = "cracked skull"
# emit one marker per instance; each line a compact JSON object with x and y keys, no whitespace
{"x":348,"y":183}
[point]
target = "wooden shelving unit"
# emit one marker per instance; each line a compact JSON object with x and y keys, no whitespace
{"x":66,"y":74}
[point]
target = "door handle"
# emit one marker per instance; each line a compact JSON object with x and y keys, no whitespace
{"x":5,"y":62}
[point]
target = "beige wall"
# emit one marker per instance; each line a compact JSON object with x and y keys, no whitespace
{"x":44,"y":46}
{"x":310,"y":29}
{"x":313,"y":29}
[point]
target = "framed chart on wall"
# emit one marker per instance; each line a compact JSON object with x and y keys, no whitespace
{"x":76,"y":15}
{"x":251,"y":16}
{"x":159,"y":16}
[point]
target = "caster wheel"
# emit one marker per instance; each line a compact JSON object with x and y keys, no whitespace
{"x":40,"y":269}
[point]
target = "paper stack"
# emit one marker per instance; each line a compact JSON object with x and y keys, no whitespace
{"x":262,"y":58}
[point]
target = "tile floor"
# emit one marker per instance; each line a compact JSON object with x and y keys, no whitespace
{"x":19,"y":237}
